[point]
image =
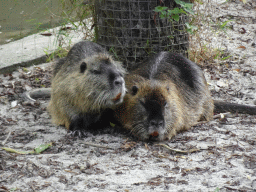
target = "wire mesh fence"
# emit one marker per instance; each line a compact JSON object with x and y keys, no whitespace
{"x":132,"y":30}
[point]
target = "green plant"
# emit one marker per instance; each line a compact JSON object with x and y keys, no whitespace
{"x":74,"y":17}
{"x":174,"y":14}
{"x":75,"y":12}
{"x":223,"y":25}
{"x":37,"y":80}
{"x":191,"y":28}
{"x":203,"y":54}
{"x":59,"y":53}
{"x":13,"y":189}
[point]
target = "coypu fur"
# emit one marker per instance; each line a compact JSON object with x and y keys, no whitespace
{"x":166,"y":95}
{"x":85,"y":85}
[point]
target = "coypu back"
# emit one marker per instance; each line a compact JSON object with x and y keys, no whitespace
{"x":85,"y":84}
{"x":173,"y":67}
{"x":166,"y":94}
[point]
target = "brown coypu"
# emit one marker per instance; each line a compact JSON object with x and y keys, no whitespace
{"x":166,"y":95}
{"x":180,"y":75}
{"x":86,"y":84}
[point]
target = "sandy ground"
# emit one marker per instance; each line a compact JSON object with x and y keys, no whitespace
{"x":216,"y":156}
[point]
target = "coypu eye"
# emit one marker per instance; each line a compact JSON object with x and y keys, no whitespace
{"x":83,"y":67}
{"x":96,"y":72}
{"x":134,"y":90}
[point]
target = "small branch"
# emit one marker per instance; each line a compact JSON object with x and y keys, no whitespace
{"x":177,"y":150}
{"x":99,"y":146}
{"x":3,"y":143}
{"x":219,"y":116}
{"x":200,"y":123}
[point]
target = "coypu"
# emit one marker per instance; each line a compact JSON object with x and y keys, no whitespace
{"x":85,"y":85}
{"x":168,"y":77}
{"x":166,"y":95}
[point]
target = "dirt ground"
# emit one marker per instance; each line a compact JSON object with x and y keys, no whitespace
{"x":217,"y":156}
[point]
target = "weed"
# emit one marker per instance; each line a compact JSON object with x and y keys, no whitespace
{"x":75,"y":16}
{"x":174,"y":14}
{"x":204,"y":55}
{"x":59,"y":53}
{"x":202,"y":48}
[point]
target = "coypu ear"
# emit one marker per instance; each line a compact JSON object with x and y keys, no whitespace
{"x":134,"y":90}
{"x":108,"y":60}
{"x":143,"y":102}
{"x":83,"y":67}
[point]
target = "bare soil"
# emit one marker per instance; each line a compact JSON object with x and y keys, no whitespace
{"x":216,"y":156}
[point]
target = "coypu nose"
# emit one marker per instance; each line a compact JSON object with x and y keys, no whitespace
{"x":153,"y":136}
{"x":156,"y":127}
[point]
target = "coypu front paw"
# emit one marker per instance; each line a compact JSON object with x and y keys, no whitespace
{"x":82,"y":123}
{"x":77,"y":133}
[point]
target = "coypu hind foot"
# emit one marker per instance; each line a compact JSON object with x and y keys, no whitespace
{"x":86,"y":84}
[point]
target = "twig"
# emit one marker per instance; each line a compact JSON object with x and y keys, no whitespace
{"x":200,"y":123}
{"x":177,"y":150}
{"x":96,"y":145}
{"x":3,"y":143}
{"x":69,"y":171}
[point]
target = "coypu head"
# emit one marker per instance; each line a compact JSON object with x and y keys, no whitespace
{"x":149,"y":110}
{"x":104,"y":77}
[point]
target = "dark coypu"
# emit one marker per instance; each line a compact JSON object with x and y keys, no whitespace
{"x":165,"y":95}
{"x":86,"y":84}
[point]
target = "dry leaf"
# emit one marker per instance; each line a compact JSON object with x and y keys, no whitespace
{"x":128,"y":145}
{"x":146,"y":146}
{"x":46,"y":34}
{"x":242,"y":30}
{"x":241,"y":47}
{"x":37,"y":150}
{"x":65,"y":28}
